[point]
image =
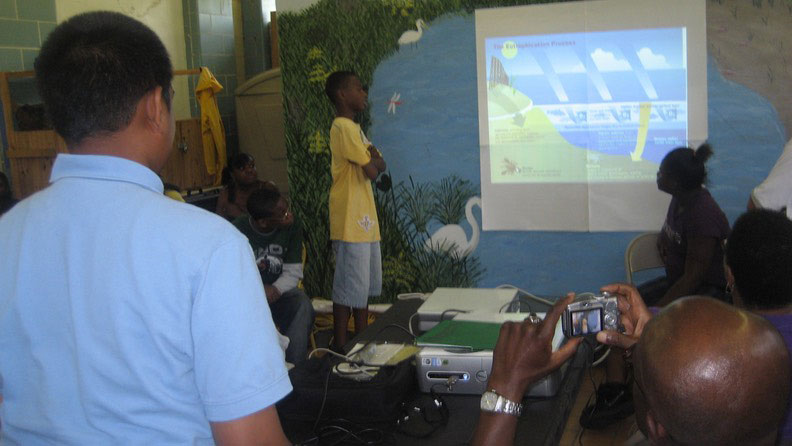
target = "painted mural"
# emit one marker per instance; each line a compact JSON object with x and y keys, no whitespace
{"x":418,"y":59}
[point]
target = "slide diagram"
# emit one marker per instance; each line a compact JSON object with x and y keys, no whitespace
{"x":585,"y":107}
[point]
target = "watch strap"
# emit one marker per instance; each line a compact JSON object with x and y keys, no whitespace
{"x":505,"y":405}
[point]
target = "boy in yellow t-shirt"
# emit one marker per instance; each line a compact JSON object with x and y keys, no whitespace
{"x":354,"y":228}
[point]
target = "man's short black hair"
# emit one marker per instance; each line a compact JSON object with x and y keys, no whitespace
{"x":759,"y":253}
{"x":262,"y":201}
{"x":337,"y":81}
{"x":94,"y":68}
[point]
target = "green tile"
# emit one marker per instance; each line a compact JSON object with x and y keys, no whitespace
{"x":230,"y":85}
{"x":228,"y":123}
{"x":45,"y":29}
{"x":222,"y":24}
{"x":36,"y":10}
{"x":188,"y":7}
{"x":228,"y":44}
{"x":210,"y":6}
{"x":28,"y":58}
{"x":226,"y":8}
{"x":194,"y":110}
{"x":219,"y":64}
{"x":212,"y":44}
{"x":205,"y":23}
{"x":196,"y":58}
{"x":185,"y":15}
{"x":232,"y":142}
{"x":22,"y":34}
{"x":7,"y":9}
{"x":226,"y":105}
{"x":11,"y":60}
{"x":193,"y":47}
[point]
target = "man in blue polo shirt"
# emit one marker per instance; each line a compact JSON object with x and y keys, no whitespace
{"x":125,"y":316}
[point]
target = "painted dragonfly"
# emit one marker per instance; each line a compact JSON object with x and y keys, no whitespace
{"x":393,"y":102}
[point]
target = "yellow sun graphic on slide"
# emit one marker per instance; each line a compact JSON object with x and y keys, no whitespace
{"x":509,"y":49}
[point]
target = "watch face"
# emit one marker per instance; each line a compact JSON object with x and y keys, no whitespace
{"x":488,"y":401}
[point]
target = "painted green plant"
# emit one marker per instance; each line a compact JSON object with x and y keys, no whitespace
{"x":408,"y":265}
{"x":357,"y":35}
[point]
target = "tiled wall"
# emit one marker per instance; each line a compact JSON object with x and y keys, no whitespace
{"x":24,"y":24}
{"x":256,"y":20}
{"x":208,"y":33}
{"x":209,"y":38}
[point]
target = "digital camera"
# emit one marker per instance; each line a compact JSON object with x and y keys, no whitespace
{"x":590,"y":315}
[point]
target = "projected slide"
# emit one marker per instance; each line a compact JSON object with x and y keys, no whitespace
{"x":585,"y":107}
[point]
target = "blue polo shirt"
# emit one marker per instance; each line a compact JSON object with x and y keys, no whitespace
{"x":127,"y":317}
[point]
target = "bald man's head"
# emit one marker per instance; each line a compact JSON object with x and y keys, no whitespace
{"x":709,"y":373}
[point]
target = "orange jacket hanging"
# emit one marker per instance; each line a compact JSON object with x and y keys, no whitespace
{"x":212,"y":131}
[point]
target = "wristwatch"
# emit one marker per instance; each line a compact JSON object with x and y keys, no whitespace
{"x":492,"y":402}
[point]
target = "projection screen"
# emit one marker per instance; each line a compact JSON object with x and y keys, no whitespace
{"x":578,"y":102}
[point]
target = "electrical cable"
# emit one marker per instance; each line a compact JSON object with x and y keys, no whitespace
{"x":348,"y":435}
{"x":604,"y":356}
{"x":343,"y":431}
{"x":527,"y":294}
{"x":409,"y":323}
{"x":324,"y":399}
{"x":450,"y":310}
{"x":327,"y":350}
{"x":358,"y":366}
{"x":592,"y":395}
{"x":509,"y":304}
{"x":408,"y":296}
{"x":423,"y":416}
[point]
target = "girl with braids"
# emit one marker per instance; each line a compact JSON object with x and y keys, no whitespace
{"x":694,"y":229}
{"x":240,"y":178}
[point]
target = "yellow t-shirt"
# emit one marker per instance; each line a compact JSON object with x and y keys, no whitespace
{"x":353,"y":215}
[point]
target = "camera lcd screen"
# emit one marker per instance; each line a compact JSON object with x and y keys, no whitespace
{"x":586,"y":321}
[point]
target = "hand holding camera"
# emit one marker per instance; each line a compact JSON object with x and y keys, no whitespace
{"x":591,"y":315}
{"x":524,"y":353}
{"x":634,"y":315}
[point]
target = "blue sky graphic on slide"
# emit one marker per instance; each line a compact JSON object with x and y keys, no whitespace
{"x":591,"y":85}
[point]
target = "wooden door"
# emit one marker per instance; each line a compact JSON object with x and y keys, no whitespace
{"x":185,"y":167}
{"x":31,"y":153}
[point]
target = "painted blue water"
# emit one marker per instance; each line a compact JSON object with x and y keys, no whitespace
{"x":434,"y":134}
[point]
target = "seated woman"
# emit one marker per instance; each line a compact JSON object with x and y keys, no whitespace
{"x":758,"y":267}
{"x":695,"y":227}
{"x":690,"y":246}
{"x":240,"y":179}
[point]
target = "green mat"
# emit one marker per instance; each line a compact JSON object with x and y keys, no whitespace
{"x":466,"y":334}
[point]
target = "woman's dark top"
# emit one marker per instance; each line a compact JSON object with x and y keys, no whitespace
{"x":702,"y":217}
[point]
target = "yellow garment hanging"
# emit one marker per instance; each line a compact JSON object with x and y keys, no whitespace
{"x":212,"y":130}
{"x":170,"y":193}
